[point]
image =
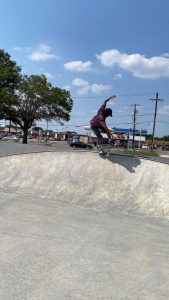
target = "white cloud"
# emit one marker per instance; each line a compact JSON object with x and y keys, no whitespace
{"x":118,"y":76}
{"x":48,"y":75}
{"x":137,"y":64}
{"x":83,"y":91}
{"x":43,"y":53}
{"x":99,"y":88}
{"x":84,"y":87}
{"x":166,"y":54}
{"x":80,"y":82}
{"x":78,"y":65}
{"x":164,"y":110}
{"x":67,"y":87}
{"x":94,"y":88}
{"x":17,"y":49}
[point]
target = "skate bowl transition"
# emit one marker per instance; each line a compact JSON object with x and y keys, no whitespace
{"x":77,"y":225}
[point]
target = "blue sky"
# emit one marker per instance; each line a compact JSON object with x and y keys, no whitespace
{"x":95,"y":49}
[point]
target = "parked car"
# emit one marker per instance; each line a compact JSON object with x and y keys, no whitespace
{"x":54,"y":139}
{"x":2,"y":135}
{"x":80,"y":144}
{"x":165,"y":147}
{"x":145,"y":146}
{"x":11,"y":138}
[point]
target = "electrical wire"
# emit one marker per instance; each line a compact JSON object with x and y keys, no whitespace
{"x":121,"y":95}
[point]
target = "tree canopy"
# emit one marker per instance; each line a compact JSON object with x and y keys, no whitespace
{"x":36,"y":99}
{"x":9,"y":79}
{"x":37,"y":128}
{"x":27,"y":99}
{"x":10,"y":72}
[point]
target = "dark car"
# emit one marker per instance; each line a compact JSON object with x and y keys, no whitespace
{"x":165,"y":147}
{"x":2,"y":135}
{"x":54,"y":139}
{"x":79,"y":144}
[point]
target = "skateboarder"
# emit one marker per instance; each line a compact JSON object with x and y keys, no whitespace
{"x":98,"y":123}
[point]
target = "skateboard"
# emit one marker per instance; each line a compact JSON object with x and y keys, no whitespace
{"x":105,"y":150}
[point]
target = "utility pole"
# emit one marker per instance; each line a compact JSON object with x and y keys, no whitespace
{"x":134,"y":122}
{"x":156,"y":99}
{"x":47,"y":130}
{"x":141,"y":127}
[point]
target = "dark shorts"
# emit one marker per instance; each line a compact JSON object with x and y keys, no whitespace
{"x":97,"y":131}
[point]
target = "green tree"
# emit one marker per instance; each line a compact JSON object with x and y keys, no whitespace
{"x":36,"y":99}
{"x":36,"y":128}
{"x":9,"y":80}
{"x":165,"y":138}
{"x":149,"y":137}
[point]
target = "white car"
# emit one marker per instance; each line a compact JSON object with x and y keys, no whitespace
{"x":145,"y":146}
{"x":11,"y":138}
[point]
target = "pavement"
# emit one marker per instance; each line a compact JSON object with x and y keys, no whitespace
{"x":15,"y":148}
{"x":79,"y":225}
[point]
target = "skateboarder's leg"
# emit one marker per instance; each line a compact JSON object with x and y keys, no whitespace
{"x":96,"y":130}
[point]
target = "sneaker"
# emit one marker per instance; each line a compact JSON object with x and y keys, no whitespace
{"x":99,"y":148}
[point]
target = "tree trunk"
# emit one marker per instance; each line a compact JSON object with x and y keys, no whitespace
{"x":9,"y":126}
{"x":25,"y":136}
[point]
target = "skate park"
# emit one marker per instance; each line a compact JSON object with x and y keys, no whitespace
{"x":79,"y":225}
{"x":84,"y":150}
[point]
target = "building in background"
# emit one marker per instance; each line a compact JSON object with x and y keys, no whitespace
{"x":121,"y":136}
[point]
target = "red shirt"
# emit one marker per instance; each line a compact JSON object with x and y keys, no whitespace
{"x":99,"y":119}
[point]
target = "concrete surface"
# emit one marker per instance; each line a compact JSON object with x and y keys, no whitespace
{"x":75,"y":225}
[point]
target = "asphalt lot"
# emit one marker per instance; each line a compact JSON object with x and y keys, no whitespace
{"x":14,"y":148}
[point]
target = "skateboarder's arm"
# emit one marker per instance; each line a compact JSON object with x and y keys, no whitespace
{"x":108,"y":132}
{"x":111,"y":97}
{"x":103,"y":106}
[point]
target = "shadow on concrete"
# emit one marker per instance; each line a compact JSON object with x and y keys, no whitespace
{"x":128,"y":162}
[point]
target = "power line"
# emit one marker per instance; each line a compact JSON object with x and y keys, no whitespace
{"x":163,"y":122}
{"x":114,"y":116}
{"x":119,"y":95}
